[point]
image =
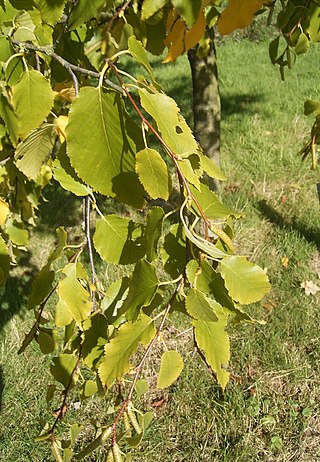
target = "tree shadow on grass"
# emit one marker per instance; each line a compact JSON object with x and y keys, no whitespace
{"x":58,"y":207}
{"x":244,"y":103}
{"x":2,"y":384}
{"x":311,"y":235}
{"x":14,"y":295}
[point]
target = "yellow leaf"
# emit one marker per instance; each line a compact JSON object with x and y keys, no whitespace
{"x":65,"y":91}
{"x":61,"y":123}
{"x":4,"y":211}
{"x":238,"y":15}
{"x":180,"y":39}
{"x":285,"y":261}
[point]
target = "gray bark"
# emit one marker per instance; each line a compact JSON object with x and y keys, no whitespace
{"x":206,"y":101}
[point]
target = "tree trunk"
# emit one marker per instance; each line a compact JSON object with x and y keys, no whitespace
{"x":206,"y":102}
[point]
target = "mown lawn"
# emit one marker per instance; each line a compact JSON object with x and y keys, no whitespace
{"x":270,"y":410}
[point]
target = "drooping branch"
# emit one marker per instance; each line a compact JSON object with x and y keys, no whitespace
{"x":117,"y":14}
{"x":87,"y":208}
{"x":143,"y":360}
{"x":174,"y":156}
{"x":47,"y":50}
{"x":62,"y":408}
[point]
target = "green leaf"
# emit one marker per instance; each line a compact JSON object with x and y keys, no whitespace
{"x":63,"y":367}
{"x":170,"y":369}
{"x":18,"y":235}
{"x":4,"y":262}
{"x":44,"y":37}
{"x":213,"y":340}
{"x":211,"y":205}
{"x":41,"y":287}
{"x":174,"y":252}
{"x":273,"y":49}
{"x":188,"y":9}
{"x":88,"y":389}
{"x":62,"y":242}
{"x":311,"y":106}
{"x":246,"y":282}
{"x":190,"y":167}
{"x":101,"y":143}
{"x":75,"y":429}
{"x":51,"y":11}
{"x":73,"y":294}
{"x":46,"y":342}
{"x":66,"y":176}
{"x":123,"y":346}
{"x":138,"y":52}
{"x":13,"y":68}
{"x":153,"y":232}
{"x":150,"y":7}
{"x":119,"y":240}
{"x":207,"y":280}
{"x":302,"y":44}
{"x":32,"y":98}
{"x":313,"y":29}
{"x":142,"y":288}
{"x":62,"y":315}
{"x":153,"y":174}
{"x":85,"y":10}
{"x":24,"y":27}
{"x":10,"y":119}
{"x":114,"y":297}
{"x":200,"y":275}
{"x":95,"y":333}
{"x":210,"y":168}
{"x":174,"y":129}
{"x":34,"y":151}
{"x":141,"y":388}
{"x":199,"y":307}
{"x":206,"y":246}
{"x":28,"y":337}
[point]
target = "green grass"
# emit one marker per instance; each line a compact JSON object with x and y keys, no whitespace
{"x":270,"y":410}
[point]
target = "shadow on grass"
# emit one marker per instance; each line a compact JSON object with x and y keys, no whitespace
{"x":58,"y":208}
{"x":13,"y":297}
{"x":309,"y":234}
{"x":239,"y":104}
{"x":1,"y":386}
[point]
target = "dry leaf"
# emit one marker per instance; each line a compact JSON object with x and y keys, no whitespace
{"x":180,"y":39}
{"x":310,"y":287}
{"x":61,"y":123}
{"x":238,"y":15}
{"x":285,"y":261}
{"x":4,"y":211}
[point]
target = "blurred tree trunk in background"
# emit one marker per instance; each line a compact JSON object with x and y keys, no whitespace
{"x":206,"y":101}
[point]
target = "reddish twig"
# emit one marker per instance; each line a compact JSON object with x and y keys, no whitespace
{"x":175,"y":157}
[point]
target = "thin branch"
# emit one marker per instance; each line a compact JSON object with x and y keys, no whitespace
{"x":75,"y":82}
{"x":47,"y":50}
{"x":62,"y":410}
{"x":118,"y":12}
{"x":38,"y":319}
{"x":87,"y":208}
{"x":142,"y":361}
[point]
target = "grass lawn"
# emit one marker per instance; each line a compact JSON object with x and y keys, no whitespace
{"x":270,"y":410}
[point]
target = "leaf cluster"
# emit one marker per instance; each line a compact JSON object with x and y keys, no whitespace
{"x":64,"y":109}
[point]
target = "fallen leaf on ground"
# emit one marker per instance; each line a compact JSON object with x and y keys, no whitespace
{"x":310,"y":287}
